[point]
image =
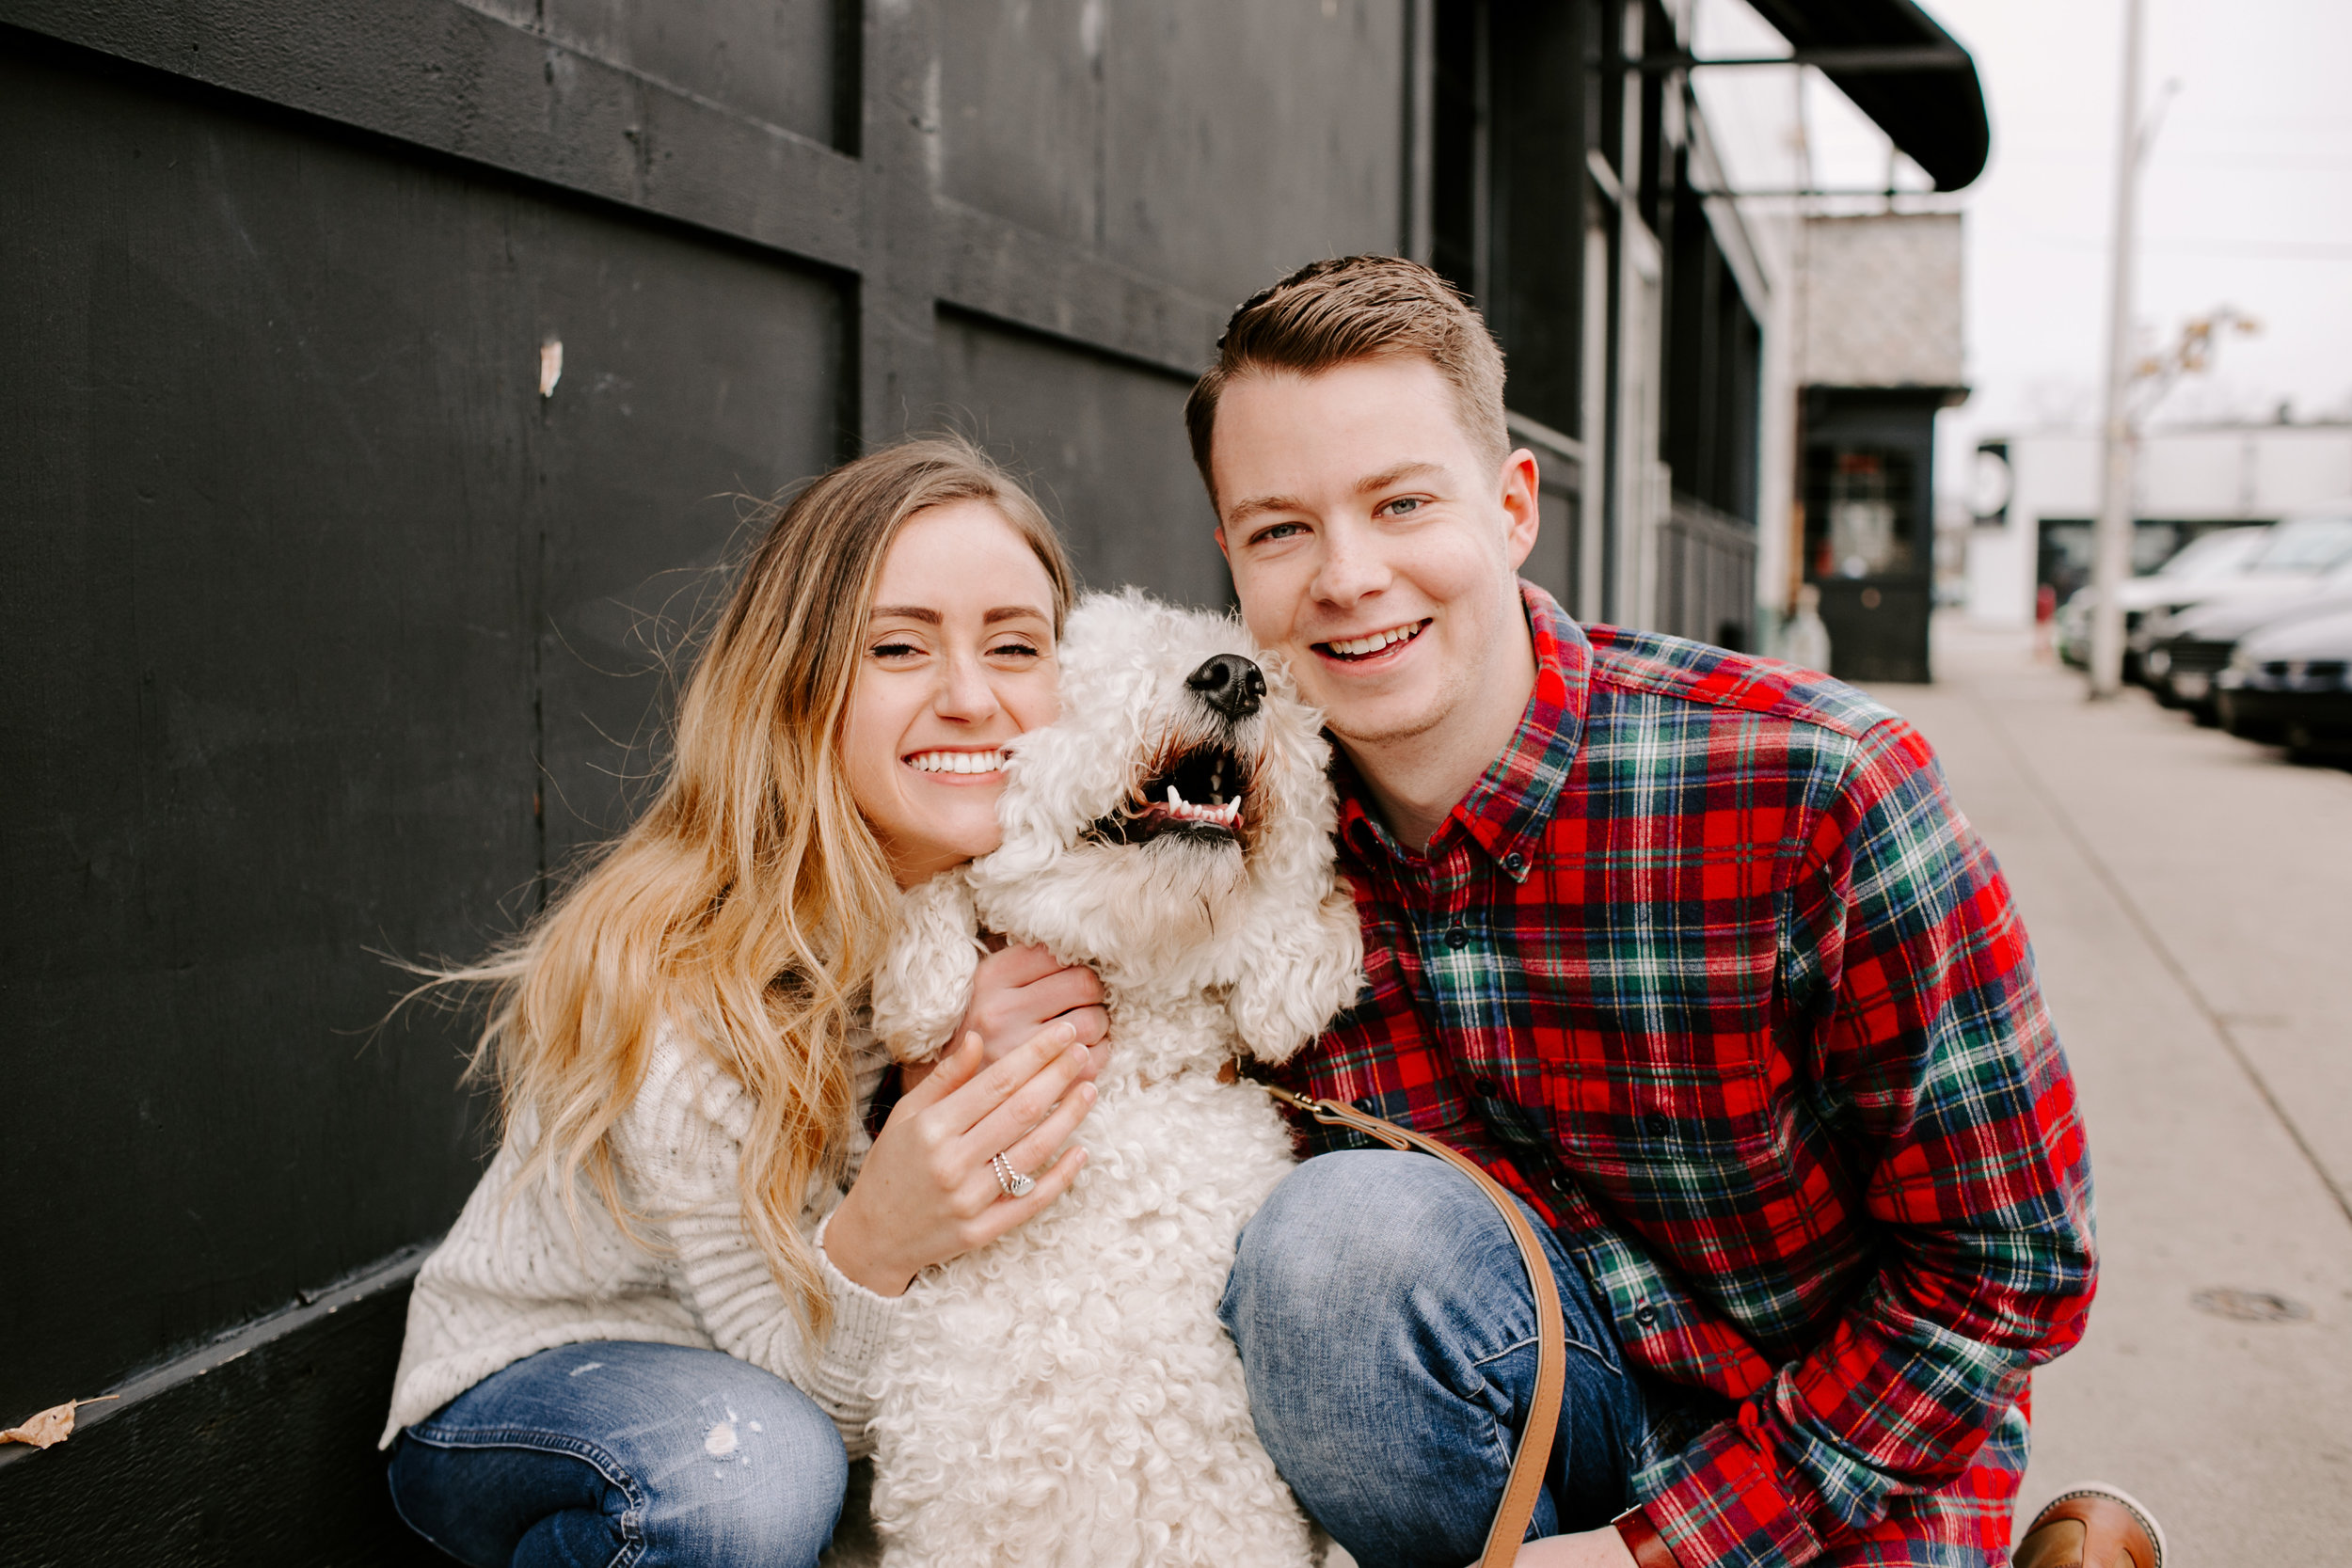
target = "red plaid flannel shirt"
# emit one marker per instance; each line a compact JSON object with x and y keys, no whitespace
{"x":1709,"y":969}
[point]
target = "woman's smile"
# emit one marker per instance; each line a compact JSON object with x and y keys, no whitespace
{"x":950,"y":766}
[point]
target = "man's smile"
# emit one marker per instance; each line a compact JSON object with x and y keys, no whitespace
{"x":1357,"y":650}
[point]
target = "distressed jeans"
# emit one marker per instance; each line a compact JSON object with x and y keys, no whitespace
{"x":614,"y":1453}
{"x":1387,"y":1337}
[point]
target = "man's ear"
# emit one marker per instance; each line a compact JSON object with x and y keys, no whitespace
{"x":925,"y":984}
{"x":1296,"y":974}
{"x":1220,"y":535}
{"x":1522,"y":485}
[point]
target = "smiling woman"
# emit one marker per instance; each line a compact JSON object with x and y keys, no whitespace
{"x":689,"y":1250}
{"x":959,"y":658}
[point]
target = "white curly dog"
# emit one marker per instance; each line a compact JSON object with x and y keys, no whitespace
{"x":1066,"y":1395}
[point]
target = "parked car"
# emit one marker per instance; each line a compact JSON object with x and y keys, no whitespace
{"x":2176,"y":583}
{"x":2299,"y":560}
{"x":2290,"y":682}
{"x":2196,"y":644}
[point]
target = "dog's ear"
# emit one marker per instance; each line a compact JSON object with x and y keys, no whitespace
{"x":925,"y":984}
{"x":1297,"y":973}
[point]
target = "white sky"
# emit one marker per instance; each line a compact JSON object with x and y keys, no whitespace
{"x":2246,"y":198}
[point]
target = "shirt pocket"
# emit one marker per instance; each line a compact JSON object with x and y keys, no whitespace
{"x":1670,"y":1127}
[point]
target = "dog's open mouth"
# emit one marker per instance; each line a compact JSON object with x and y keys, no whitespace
{"x":1197,"y":796}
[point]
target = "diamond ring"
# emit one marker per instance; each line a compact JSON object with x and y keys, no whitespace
{"x":1015,"y":1183}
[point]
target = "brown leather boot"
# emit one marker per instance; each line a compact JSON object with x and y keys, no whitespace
{"x":2091,"y":1525}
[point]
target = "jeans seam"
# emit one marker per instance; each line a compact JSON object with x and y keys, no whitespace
{"x":539,"y":1440}
{"x":1569,"y":1340}
{"x":401,"y":1514}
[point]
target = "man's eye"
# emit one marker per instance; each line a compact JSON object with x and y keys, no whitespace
{"x":1402,"y":505}
{"x":1279,"y":531}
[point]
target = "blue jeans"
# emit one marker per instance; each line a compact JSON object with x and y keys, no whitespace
{"x":1387,"y":1337}
{"x":619,"y":1453}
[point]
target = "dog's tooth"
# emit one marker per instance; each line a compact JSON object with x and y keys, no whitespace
{"x":1175,"y":802}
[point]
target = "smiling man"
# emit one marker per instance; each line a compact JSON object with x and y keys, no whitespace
{"x":1694,"y":953}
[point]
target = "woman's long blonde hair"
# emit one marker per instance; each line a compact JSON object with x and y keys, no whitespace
{"x":750,"y":904}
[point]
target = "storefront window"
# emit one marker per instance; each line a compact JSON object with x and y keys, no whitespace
{"x":1858,"y":512}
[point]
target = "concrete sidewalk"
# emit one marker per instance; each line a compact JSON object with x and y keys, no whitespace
{"x":2190,"y":902}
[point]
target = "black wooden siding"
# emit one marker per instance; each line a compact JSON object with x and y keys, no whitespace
{"x":330,"y":638}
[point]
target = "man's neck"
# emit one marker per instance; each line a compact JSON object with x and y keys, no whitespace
{"x":1416,"y":782}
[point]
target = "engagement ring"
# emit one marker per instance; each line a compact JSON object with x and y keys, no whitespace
{"x":1015,"y":1183}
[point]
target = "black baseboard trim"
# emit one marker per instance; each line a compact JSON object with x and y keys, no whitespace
{"x":257,"y":1450}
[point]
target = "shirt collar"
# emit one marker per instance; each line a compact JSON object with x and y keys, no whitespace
{"x":1506,"y":811}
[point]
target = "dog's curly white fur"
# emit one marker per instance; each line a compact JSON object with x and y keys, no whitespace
{"x":1067,"y":1396}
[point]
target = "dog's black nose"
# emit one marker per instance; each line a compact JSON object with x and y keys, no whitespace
{"x":1230,"y":683}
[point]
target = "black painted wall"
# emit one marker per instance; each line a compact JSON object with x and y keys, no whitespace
{"x":328,"y":637}
{"x":322,"y":624}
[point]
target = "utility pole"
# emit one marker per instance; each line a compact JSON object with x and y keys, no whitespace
{"x":2111,"y":559}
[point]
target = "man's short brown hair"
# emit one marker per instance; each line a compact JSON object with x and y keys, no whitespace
{"x":1351,"y":307}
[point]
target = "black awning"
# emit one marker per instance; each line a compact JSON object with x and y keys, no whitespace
{"x":1934,"y":112}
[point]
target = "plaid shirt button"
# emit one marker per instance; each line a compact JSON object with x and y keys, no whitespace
{"x":1659,"y":1124}
{"x":1458,"y":938}
{"x":1645,"y":1314}
{"x":1485,"y":1088}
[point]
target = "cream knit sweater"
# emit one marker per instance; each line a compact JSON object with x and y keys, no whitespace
{"x":514,"y":1277}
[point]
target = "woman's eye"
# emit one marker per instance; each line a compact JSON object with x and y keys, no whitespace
{"x":894,"y":650}
{"x":1014,"y":650}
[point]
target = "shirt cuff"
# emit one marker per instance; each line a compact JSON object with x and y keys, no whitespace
{"x":1723,"y":1504}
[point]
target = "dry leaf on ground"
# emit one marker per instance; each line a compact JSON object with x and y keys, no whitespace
{"x":50,"y":1427}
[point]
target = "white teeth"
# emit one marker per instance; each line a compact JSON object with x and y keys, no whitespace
{"x":956,"y":762}
{"x":1355,"y":647}
{"x":1226,"y":815}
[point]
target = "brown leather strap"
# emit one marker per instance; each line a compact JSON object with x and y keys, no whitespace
{"x":1520,"y":1493}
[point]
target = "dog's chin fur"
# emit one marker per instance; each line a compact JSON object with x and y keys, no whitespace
{"x":1066,"y":1395}
{"x":1111,"y":900}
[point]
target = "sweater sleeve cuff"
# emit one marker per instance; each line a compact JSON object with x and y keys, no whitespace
{"x":861,"y":1317}
{"x":1723,"y":1504}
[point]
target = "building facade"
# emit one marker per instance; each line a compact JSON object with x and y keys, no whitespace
{"x":1880,"y":353}
{"x":385,"y":384}
{"x":2039,"y":495}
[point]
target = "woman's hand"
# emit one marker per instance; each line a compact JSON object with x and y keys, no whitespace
{"x":925,"y":1193}
{"x":1018,"y":990}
